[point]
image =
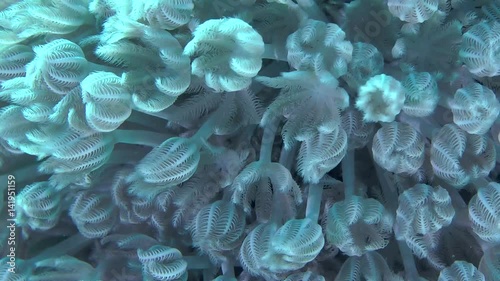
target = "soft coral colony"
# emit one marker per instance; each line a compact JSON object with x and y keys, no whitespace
{"x":251,"y":139}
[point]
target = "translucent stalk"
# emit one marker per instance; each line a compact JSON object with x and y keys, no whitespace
{"x":348,"y":174}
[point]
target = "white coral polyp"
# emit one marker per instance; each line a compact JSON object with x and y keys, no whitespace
{"x":381,"y":98}
{"x":458,"y":157}
{"x":480,"y":49}
{"x":475,"y":108}
{"x":318,"y":46}
{"x":107,"y":101}
{"x":413,"y":11}
{"x":398,"y":148}
{"x":168,"y":14}
{"x":227,"y":53}
{"x":484,"y":212}
{"x":422,"y":210}
{"x":422,"y":94}
{"x":358,"y":225}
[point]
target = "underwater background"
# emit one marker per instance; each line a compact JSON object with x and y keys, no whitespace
{"x":249,"y":140}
